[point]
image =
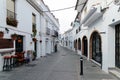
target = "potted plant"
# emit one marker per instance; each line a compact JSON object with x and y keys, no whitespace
{"x":12,"y":21}
{"x":34,"y":30}
{"x":34,"y":39}
{"x":14,"y":36}
{"x":34,"y":55}
{"x":40,"y":41}
{"x":1,"y":34}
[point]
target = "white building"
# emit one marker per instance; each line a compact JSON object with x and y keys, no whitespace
{"x":67,"y":39}
{"x":26,"y":19}
{"x":48,"y":33}
{"x":99,"y":32}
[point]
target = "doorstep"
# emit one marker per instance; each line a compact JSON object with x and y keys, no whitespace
{"x":115,"y":72}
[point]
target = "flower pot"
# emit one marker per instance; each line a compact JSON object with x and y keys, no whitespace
{"x":12,"y":22}
{"x":34,"y":39}
{"x":40,"y":41}
{"x":14,"y":36}
{"x":1,"y":35}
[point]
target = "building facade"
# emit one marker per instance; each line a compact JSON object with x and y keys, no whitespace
{"x":67,"y":38}
{"x":26,"y":20}
{"x":96,"y":32}
{"x":99,"y":32}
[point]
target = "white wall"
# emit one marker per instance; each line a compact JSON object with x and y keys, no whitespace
{"x":106,"y":28}
{"x":24,"y":17}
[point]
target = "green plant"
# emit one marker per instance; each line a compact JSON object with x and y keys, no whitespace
{"x":34,"y":30}
{"x":34,"y":55}
{"x":14,"y":36}
{"x":12,"y":21}
{"x":34,"y":39}
{"x":1,"y":34}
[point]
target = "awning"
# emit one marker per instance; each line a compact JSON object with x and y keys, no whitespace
{"x":92,"y":15}
{"x":90,"y":12}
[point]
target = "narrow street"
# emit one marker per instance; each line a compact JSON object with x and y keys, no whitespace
{"x":63,"y":65}
{"x":57,"y":66}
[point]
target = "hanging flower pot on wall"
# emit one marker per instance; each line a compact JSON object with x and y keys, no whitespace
{"x":12,"y":21}
{"x":1,"y":34}
{"x":34,"y":39}
{"x":14,"y":36}
{"x":40,"y":41}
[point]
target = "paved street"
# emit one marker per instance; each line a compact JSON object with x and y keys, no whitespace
{"x":63,"y":65}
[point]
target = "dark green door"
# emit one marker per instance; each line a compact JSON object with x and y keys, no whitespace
{"x":117,"y":45}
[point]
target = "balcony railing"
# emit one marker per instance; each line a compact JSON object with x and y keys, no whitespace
{"x":47,"y":31}
{"x":11,"y":18}
{"x":54,"y":33}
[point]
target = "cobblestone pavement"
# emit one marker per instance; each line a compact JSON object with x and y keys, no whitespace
{"x":63,"y":65}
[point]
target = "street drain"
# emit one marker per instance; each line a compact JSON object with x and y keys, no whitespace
{"x":31,"y":65}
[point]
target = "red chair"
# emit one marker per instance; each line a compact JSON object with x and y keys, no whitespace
{"x":20,"y":58}
{"x":14,"y":60}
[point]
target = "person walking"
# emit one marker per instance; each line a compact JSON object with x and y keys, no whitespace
{"x":55,"y":47}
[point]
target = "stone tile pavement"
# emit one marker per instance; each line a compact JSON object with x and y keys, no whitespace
{"x":63,"y":65}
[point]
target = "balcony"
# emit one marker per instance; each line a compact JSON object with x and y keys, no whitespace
{"x":54,"y":33}
{"x":93,"y":14}
{"x":11,"y":18}
{"x":47,"y":31}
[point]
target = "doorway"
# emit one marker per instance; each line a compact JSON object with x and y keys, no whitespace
{"x":96,"y":47}
{"x":85,"y":46}
{"x":117,"y":45}
{"x":19,"y":44}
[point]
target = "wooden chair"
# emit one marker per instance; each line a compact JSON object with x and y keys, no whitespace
{"x":20,"y":58}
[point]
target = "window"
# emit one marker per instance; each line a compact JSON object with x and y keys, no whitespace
{"x":11,"y":15}
{"x":96,"y":48}
{"x":76,"y":31}
{"x":79,"y":44}
{"x":79,"y":28}
{"x":11,"y":8}
{"x":33,"y":18}
{"x":34,"y":30}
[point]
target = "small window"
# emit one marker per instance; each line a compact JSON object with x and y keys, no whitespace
{"x":33,"y":18}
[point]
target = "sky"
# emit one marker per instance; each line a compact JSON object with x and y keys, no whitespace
{"x":65,"y":16}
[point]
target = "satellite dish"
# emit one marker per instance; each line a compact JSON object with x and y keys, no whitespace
{"x":117,"y":2}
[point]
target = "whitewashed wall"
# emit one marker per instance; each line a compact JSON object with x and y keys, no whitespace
{"x":104,"y":24}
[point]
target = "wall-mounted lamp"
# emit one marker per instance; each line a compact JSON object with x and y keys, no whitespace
{"x":102,"y":32}
{"x":113,"y":20}
{"x":7,"y":30}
